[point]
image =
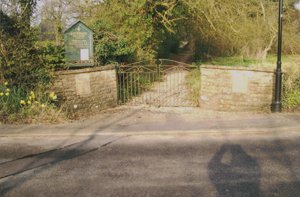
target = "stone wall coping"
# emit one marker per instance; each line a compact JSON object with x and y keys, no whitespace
{"x":85,"y":70}
{"x":254,"y":69}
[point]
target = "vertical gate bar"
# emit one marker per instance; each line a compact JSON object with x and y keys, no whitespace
{"x":127,"y":88}
{"x":153,"y":86}
{"x":138,"y":83}
{"x":174,"y":88}
{"x":169,"y":77}
{"x":118,"y":82}
{"x":120,"y":88}
{"x":131,"y":84}
{"x":171,"y":87}
{"x":117,"y":78}
{"x":150,"y":87}
{"x":157,"y":98}
{"x":166,"y":90}
{"x":134,"y":88}
{"x":163,"y":88}
{"x":123,"y":81}
{"x":179,"y":86}
{"x":142,"y":88}
{"x":160,"y":83}
{"x":162,"y":100}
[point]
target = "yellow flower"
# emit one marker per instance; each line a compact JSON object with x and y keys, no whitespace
{"x":29,"y":102}
{"x":22,"y":102}
{"x":7,"y":94}
{"x":1,"y":93}
{"x":52,"y":96}
{"x":30,"y":98}
{"x":6,"y":83}
{"x":7,"y":90}
{"x":43,"y":106}
{"x":32,"y":95}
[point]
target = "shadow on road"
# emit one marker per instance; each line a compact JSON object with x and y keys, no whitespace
{"x":234,"y":173}
{"x":40,"y":162}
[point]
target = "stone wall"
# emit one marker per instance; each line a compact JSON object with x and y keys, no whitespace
{"x":87,"y":90}
{"x":226,"y":88}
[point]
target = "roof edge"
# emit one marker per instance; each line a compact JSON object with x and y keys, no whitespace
{"x":75,"y":23}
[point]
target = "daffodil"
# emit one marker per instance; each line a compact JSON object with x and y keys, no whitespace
{"x":7,"y":94}
{"x":7,"y":90}
{"x":1,"y":93}
{"x":32,"y":95}
{"x":53,"y":96}
{"x":29,"y":102}
{"x":6,"y":83}
{"x":43,"y":106}
{"x":22,"y":102}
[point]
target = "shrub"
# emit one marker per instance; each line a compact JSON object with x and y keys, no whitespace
{"x":26,"y":70}
{"x":53,"y":56}
{"x":291,"y":87}
{"x":108,"y":50}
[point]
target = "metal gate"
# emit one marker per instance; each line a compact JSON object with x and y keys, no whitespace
{"x":161,"y":83}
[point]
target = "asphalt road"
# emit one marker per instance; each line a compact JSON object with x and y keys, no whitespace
{"x":151,"y":165}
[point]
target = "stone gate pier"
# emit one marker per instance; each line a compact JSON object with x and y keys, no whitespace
{"x":87,"y":90}
{"x":225,"y":88}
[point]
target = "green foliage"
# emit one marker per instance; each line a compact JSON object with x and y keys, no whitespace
{"x":21,"y":64}
{"x":26,"y":67}
{"x":292,"y":99}
{"x":10,"y":99}
{"x":242,"y":27}
{"x":107,"y":51}
{"x":291,"y":85}
{"x":53,"y":56}
{"x":135,"y":33}
{"x":170,"y":45}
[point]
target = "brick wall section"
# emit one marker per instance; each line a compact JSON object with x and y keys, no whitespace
{"x":87,"y":90}
{"x":226,"y":88}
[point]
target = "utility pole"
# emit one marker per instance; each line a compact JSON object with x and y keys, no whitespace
{"x":277,"y":104}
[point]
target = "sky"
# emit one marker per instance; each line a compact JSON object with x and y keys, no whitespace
{"x":297,"y":5}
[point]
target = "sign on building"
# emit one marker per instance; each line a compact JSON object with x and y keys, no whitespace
{"x":79,"y":45}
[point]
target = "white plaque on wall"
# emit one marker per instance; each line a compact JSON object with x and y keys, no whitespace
{"x":240,"y":81}
{"x":83,"y":84}
{"x":84,"y":54}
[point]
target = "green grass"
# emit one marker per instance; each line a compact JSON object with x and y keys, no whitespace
{"x":270,"y":61}
{"x":193,"y":84}
{"x":232,"y":61}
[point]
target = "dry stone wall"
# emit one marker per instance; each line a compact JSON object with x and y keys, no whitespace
{"x":87,"y":90}
{"x":226,"y":88}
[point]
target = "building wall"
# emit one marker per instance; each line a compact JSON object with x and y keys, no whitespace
{"x":87,"y":90}
{"x":226,"y":88}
